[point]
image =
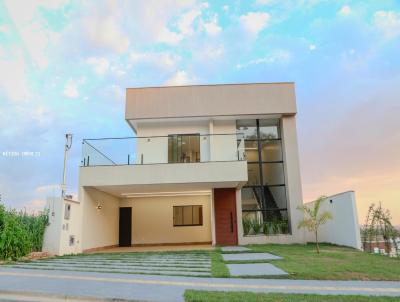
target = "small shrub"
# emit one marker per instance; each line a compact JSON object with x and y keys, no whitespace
{"x":257,"y":226}
{"x":246,"y":221}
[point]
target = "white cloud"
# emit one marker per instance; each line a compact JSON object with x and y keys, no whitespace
{"x":169,"y":37}
{"x":179,"y":78}
{"x":225,"y":8}
{"x":185,"y":23}
{"x":278,"y":56}
{"x":388,"y":22}
{"x":345,"y":10}
{"x":162,"y":60}
{"x":4,"y":29}
{"x":254,"y":22}
{"x":71,"y":88}
{"x":265,"y":2}
{"x":48,"y":189}
{"x":34,"y":206}
{"x":312,"y":47}
{"x":13,"y":78}
{"x":100,"y":65}
{"x":104,"y":31}
{"x":212,"y":27}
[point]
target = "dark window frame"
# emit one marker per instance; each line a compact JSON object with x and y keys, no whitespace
{"x":183,"y":220}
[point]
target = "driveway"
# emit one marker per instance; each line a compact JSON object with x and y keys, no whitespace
{"x":169,"y":288}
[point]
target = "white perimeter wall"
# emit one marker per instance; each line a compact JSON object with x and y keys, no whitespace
{"x":343,"y":229}
{"x":58,"y":232}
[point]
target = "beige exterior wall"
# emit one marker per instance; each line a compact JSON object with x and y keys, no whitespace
{"x":227,"y":173}
{"x":210,"y":100}
{"x":99,"y":227}
{"x":152,"y":220}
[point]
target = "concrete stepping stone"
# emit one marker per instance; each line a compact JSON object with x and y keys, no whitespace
{"x":249,"y":257}
{"x":235,"y":249}
{"x":255,"y":269}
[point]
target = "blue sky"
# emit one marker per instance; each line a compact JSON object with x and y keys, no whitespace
{"x":64,"y":67}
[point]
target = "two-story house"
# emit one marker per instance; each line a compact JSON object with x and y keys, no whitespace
{"x":205,"y":164}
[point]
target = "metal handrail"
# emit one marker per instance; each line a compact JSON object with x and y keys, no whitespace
{"x":157,"y":136}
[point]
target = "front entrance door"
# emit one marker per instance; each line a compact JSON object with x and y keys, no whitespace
{"x":225,"y":216}
{"x":125,"y":226}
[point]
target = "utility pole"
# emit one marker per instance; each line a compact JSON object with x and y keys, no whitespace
{"x":68,"y":145}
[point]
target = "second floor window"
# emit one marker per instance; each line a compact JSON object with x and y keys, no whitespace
{"x":184,"y":148}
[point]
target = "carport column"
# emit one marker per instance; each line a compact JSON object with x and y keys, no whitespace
{"x":213,"y":241}
{"x":239,"y":216}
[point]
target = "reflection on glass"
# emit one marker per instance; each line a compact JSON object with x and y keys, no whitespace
{"x":253,"y":171}
{"x":251,"y":149}
{"x":273,"y":174}
{"x":269,"y":129}
{"x":184,"y":148}
{"x":248,"y":128}
{"x":271,"y":150}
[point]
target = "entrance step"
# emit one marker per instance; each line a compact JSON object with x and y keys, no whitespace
{"x":249,"y":257}
{"x":235,"y":249}
{"x":255,"y":269}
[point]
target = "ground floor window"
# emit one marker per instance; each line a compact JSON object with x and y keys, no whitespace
{"x":188,"y":215}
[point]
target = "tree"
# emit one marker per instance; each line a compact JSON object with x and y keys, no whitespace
{"x":312,"y":218}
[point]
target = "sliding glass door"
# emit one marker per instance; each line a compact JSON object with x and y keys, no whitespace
{"x":184,"y":148}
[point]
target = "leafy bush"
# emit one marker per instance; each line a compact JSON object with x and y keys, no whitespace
{"x":20,"y":233}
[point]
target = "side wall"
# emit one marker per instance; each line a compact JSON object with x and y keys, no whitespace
{"x":152,"y":220}
{"x":99,"y":226}
{"x":343,"y":229}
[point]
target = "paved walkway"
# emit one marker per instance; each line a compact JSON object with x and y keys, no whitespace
{"x":174,"y":264}
{"x":169,"y":288}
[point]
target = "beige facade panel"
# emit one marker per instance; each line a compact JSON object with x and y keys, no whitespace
{"x":152,"y":220}
{"x":229,"y":173}
{"x":210,"y":100}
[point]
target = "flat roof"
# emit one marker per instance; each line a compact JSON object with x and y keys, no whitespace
{"x":210,"y":100}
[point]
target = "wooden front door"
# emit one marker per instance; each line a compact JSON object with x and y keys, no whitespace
{"x":225,"y":216}
{"x":125,"y":226}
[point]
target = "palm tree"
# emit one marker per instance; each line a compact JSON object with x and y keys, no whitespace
{"x":312,"y":218}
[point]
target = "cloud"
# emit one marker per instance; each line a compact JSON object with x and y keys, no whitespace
{"x":161,"y":60}
{"x":179,"y":78}
{"x":345,"y":10}
{"x":312,"y":47}
{"x":278,"y":56}
{"x":105,"y":32}
{"x":185,"y":23}
{"x":254,"y":22}
{"x":34,"y":206}
{"x":212,"y":28}
{"x":388,"y":22}
{"x":13,"y":79}
{"x":100,"y":65}
{"x":71,"y":88}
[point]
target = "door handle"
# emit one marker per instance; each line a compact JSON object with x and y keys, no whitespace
{"x":231,"y":222}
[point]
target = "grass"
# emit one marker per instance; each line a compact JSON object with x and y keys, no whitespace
{"x":333,"y":263}
{"x":218,"y":267}
{"x":209,"y":296}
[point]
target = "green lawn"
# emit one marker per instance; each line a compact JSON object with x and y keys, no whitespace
{"x":333,"y":263}
{"x":206,"y":296}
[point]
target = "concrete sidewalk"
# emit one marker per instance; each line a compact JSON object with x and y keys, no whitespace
{"x":168,"y":288}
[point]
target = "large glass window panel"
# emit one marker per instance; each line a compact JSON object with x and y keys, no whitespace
{"x":248,"y":128}
{"x":178,"y":215}
{"x":187,"y":215}
{"x":251,"y":198}
{"x":184,"y":148}
{"x":273,"y":174}
{"x":253,"y":171}
{"x":269,"y":129}
{"x":271,"y":150}
{"x":251,"y":149}
{"x":275,"y":197}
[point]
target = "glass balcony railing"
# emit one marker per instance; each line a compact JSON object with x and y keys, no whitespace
{"x":179,"y":148}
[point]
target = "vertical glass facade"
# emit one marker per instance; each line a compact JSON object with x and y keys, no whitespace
{"x":264,"y":202}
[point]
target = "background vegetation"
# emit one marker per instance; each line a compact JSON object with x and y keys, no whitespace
{"x":20,"y":233}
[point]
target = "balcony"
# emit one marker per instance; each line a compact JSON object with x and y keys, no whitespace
{"x":157,"y":162}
